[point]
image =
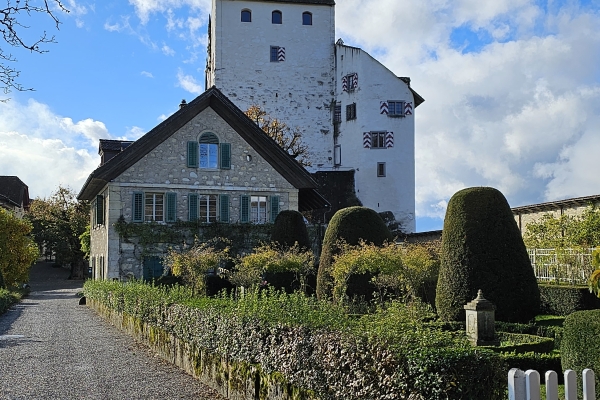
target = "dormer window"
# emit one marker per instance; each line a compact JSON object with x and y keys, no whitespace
{"x":246,"y":16}
{"x":276,"y":17}
{"x":306,"y":18}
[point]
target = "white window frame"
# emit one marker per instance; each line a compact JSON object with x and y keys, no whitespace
{"x":210,"y":204}
{"x":157,"y":211}
{"x":258,"y":209}
{"x":392,"y":109}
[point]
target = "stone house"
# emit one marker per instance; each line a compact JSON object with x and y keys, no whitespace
{"x":206,"y":163}
{"x":358,"y":117}
{"x":14,"y":195}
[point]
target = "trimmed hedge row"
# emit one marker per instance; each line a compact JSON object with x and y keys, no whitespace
{"x":536,"y":361}
{"x":7,"y":299}
{"x":553,"y":332}
{"x":523,"y":343}
{"x":564,"y":300}
{"x":580,"y":347}
{"x":318,"y":347}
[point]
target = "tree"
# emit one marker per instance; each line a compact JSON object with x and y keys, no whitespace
{"x":482,"y":249}
{"x":58,"y":222}
{"x":12,"y":28}
{"x":17,"y":250}
{"x":289,"y":139}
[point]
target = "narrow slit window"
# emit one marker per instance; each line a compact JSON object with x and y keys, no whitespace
{"x":381,"y":169}
{"x":306,"y":18}
{"x":277,"y":17}
{"x":246,"y":16}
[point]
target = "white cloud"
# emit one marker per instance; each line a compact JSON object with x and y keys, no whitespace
{"x":167,"y":50}
{"x":147,"y":74}
{"x":189,"y":83}
{"x":519,"y":114}
{"x":144,"y":8}
{"x":44,"y":149}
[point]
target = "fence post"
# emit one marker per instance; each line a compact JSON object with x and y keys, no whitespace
{"x":533,"y":385}
{"x":516,"y":384}
{"x":589,"y":385}
{"x":551,"y":385}
{"x":570,"y":385}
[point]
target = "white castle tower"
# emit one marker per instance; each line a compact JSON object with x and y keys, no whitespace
{"x":355,"y":114}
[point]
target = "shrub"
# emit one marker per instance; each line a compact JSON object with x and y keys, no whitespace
{"x":2,"y":286}
{"x":483,"y":249}
{"x":580,"y":347}
{"x":17,"y":250}
{"x":350,"y":225}
{"x":540,"y":362}
{"x":270,"y":261}
{"x":289,"y":228}
{"x":195,"y":264}
{"x":523,"y":343}
{"x":564,"y":300}
{"x":7,"y":299}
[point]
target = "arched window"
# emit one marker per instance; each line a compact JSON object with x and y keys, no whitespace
{"x":276,"y":17}
{"x":246,"y":16}
{"x":208,"y":150}
{"x":306,"y":18}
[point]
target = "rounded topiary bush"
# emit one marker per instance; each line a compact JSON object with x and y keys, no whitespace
{"x":482,"y":248}
{"x":580,"y":347}
{"x":289,"y":228}
{"x":350,"y":224}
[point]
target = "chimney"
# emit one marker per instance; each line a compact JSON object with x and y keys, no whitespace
{"x":182,"y":104}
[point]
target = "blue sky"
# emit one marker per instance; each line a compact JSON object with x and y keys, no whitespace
{"x":512,"y":89}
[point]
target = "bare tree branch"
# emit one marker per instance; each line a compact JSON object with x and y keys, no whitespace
{"x":12,"y":29}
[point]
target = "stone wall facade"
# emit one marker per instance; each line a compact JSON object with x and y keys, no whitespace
{"x":164,"y":170}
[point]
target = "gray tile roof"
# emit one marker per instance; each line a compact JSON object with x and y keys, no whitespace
{"x":14,"y":190}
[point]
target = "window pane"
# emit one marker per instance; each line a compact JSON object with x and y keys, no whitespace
{"x":208,"y":155}
{"x":208,"y":208}
{"x":246,"y":16}
{"x":153,"y":207}
{"x":306,"y":18}
{"x":258,"y":209}
{"x":274,"y":50}
{"x":276,"y":17}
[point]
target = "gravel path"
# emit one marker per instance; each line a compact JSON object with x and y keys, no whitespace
{"x":53,"y":348}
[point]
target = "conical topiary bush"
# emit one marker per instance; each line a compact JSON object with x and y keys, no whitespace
{"x":289,"y":228}
{"x":350,"y":224}
{"x":482,"y":248}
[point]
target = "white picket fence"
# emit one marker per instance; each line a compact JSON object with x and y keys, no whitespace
{"x":526,"y":385}
{"x":571,"y":266}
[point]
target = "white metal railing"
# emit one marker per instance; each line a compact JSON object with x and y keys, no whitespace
{"x":572,"y":266}
{"x":526,"y":385}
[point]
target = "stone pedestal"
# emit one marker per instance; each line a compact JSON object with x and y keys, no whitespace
{"x":480,"y":322}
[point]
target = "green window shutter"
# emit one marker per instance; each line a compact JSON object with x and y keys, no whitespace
{"x":171,"y":207}
{"x":193,"y":207}
{"x":224,"y":208}
{"x":192,"y":154}
{"x":244,"y":208}
{"x":99,"y":210}
{"x":225,"y":155}
{"x":274,"y":207}
{"x":138,"y":207}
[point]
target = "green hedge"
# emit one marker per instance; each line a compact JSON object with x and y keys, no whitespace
{"x":554,"y":332}
{"x":580,"y":347}
{"x":540,"y":362}
{"x":523,"y":343}
{"x":315,"y":345}
{"x":564,"y":300}
{"x":7,"y":299}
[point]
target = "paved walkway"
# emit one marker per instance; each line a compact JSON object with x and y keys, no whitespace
{"x":53,"y":348}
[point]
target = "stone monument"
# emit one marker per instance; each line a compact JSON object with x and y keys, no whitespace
{"x":481,"y":323}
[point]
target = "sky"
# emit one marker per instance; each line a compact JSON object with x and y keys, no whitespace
{"x":512,"y":89}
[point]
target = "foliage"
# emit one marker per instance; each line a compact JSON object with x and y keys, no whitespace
{"x":17,"y":250}
{"x":289,"y":228}
{"x":58,"y":222}
{"x":536,"y":361}
{"x":271,"y":258}
{"x":314,"y":345}
{"x":86,"y":244}
{"x":523,"y":343}
{"x":289,"y":139}
{"x":564,"y":231}
{"x":7,"y":299}
{"x":594,"y":280}
{"x":580,"y":348}
{"x":403,"y":271}
{"x":482,"y":249}
{"x":194,"y":264}
{"x":13,"y":35}
{"x":350,"y":225}
{"x":566,"y":299}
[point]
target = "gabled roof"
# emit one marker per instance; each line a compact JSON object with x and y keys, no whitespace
{"x":14,"y":191}
{"x":278,"y":158}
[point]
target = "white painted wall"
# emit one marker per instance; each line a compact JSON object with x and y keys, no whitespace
{"x":298,"y":91}
{"x":396,"y":191}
